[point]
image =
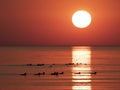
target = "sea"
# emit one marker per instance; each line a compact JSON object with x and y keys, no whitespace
{"x":59,"y":68}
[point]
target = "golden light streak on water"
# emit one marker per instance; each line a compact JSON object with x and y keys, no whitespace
{"x":81,"y":57}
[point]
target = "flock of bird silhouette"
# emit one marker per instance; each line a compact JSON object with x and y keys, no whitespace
{"x":43,"y":73}
{"x":53,"y":73}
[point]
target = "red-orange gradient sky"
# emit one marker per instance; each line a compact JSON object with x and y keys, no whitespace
{"x":48,"y":22}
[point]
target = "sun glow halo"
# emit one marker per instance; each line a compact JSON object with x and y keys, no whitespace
{"x":81,"y":19}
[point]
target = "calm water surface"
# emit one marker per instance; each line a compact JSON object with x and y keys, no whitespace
{"x":60,"y":68}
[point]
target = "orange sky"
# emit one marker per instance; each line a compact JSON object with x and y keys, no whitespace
{"x":48,"y":22}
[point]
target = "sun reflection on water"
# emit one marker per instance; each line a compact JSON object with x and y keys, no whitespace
{"x":81,"y":57}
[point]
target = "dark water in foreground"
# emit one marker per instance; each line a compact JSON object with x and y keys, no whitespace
{"x":59,"y":68}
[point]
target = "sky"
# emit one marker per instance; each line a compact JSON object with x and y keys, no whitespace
{"x":48,"y":22}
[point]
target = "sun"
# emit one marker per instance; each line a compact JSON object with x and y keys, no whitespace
{"x":81,"y":19}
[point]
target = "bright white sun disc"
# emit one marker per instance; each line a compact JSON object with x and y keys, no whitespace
{"x":81,"y":19}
